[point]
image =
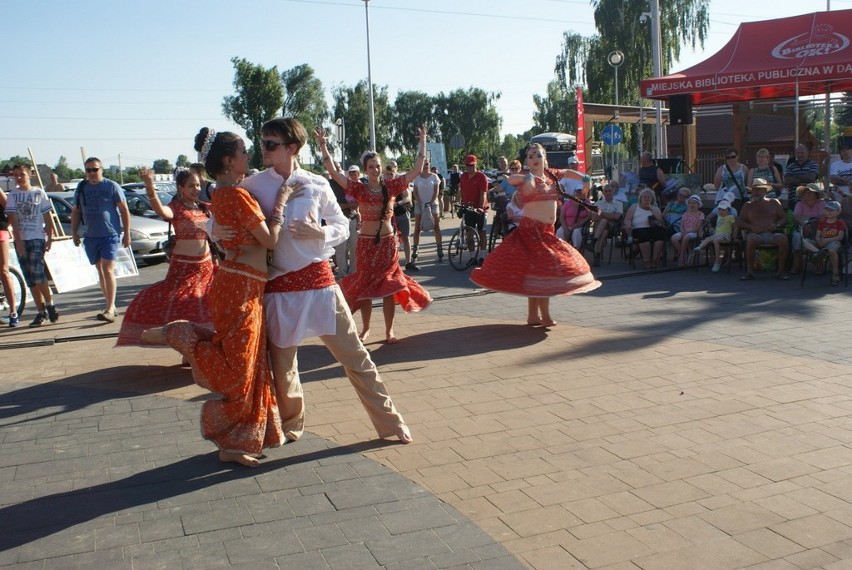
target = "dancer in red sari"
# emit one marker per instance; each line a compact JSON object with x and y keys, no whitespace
{"x":378,"y":275}
{"x":183,"y":293}
{"x":232,"y":361}
{"x":531,"y":261}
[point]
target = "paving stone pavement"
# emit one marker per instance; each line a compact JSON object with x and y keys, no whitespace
{"x":672,"y":420}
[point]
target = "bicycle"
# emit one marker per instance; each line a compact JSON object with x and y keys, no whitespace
{"x":20,"y":291}
{"x":463,"y":250}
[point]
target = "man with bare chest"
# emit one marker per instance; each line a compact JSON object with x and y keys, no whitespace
{"x":763,"y":218}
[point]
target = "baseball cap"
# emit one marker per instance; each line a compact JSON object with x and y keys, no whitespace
{"x":573,"y":160}
{"x":833,"y":205}
{"x":724,"y":205}
{"x":354,"y":168}
{"x":470,"y":159}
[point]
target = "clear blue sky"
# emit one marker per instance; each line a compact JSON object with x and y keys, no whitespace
{"x":138,"y":79}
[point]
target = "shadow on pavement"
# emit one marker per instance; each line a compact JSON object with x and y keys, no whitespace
{"x":316,"y":362}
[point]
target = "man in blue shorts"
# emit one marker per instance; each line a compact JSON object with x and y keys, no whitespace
{"x":100,"y":203}
{"x":29,"y":213}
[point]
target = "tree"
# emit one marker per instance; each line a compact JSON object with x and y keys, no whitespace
{"x":557,"y":112}
{"x":471,"y":114}
{"x":163,"y":166}
{"x":843,"y":112}
{"x":62,"y":170}
{"x":182,"y":161}
{"x":411,"y":110}
{"x":583,"y":59}
{"x":304,"y":99}
{"x":13,"y":160}
{"x":258,"y":98}
{"x":351,"y":104}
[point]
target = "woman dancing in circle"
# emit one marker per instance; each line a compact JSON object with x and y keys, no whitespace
{"x":183,"y":293}
{"x":379,"y":275}
{"x":232,"y":361}
{"x":532,"y":261}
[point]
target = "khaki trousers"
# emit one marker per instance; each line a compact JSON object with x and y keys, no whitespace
{"x":349,"y":351}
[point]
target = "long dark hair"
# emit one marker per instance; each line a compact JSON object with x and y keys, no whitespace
{"x":224,"y":144}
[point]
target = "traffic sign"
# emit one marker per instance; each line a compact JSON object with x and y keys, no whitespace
{"x":612,"y":135}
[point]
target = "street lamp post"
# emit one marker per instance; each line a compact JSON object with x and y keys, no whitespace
{"x":615,"y":59}
{"x":370,"y":81}
{"x":657,"y":56}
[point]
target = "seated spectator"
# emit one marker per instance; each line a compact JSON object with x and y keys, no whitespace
{"x":644,"y":223}
{"x":767,"y":170}
{"x":573,"y":216}
{"x":810,"y":208}
{"x":799,"y":172}
{"x":605,"y":220}
{"x":764,"y":219}
{"x":515,"y":210}
{"x":723,"y":233}
{"x":841,"y":172}
{"x":675,"y":209}
{"x":690,"y":224}
{"x":830,"y":233}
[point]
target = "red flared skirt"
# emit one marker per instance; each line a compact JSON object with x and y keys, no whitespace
{"x":533,"y":262}
{"x":232,"y":362}
{"x":379,"y":275}
{"x":182,"y":295}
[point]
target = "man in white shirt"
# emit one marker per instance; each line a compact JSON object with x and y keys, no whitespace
{"x":302,"y":300}
{"x":605,"y":220}
{"x":841,"y":172}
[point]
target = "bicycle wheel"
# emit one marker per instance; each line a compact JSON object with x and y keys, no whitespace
{"x":19,"y":289}
{"x":492,"y":236}
{"x":463,"y":250}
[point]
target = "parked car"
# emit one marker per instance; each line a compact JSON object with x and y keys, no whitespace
{"x":147,"y":235}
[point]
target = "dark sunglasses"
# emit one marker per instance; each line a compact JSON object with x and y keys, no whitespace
{"x":92,"y":169}
{"x":270,"y":146}
{"x":730,"y":156}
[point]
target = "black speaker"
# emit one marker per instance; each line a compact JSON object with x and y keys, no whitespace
{"x":680,"y":110}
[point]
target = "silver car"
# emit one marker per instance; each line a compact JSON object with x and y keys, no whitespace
{"x":147,"y":235}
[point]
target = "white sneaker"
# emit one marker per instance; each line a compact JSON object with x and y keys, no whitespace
{"x":716,"y":267}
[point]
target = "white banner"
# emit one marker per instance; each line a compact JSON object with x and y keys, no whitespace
{"x":70,"y":268}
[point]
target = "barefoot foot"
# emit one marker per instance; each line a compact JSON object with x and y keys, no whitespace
{"x":391,"y":338}
{"x":235,"y":457}
{"x":154,"y":336}
{"x":548,"y":323}
{"x":364,"y":334}
{"x":533,"y":323}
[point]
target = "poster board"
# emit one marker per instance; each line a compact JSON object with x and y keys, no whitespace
{"x":70,"y":268}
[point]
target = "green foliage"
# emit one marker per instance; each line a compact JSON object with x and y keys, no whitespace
{"x":470,"y":113}
{"x":259,"y":96}
{"x":557,"y":112}
{"x":352,"y":104}
{"x":512,"y":145}
{"x":163,"y":166}
{"x":12,"y":161}
{"x":843,"y":112}
{"x":182,"y":161}
{"x":411,"y":110}
{"x":304,"y":99}
{"x":62,"y":170}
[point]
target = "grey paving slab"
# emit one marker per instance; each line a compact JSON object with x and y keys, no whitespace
{"x":169,"y":503}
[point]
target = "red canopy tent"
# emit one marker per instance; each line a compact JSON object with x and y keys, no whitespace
{"x":788,"y":57}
